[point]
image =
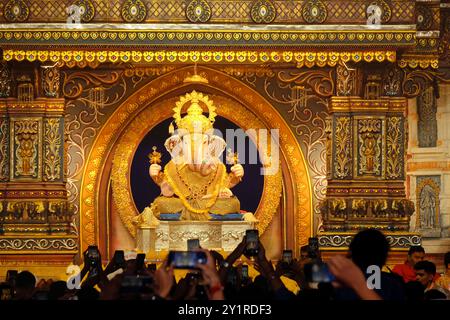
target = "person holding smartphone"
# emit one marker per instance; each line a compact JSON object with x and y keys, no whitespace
{"x":117,"y":262}
{"x":211,"y":278}
{"x":266,"y":269}
{"x":164,"y":278}
{"x":252,"y":243}
{"x":93,"y":268}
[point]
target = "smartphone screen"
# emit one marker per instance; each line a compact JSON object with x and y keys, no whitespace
{"x":244,"y":272}
{"x":11,"y":276}
{"x":287,"y":256}
{"x":232,"y":276}
{"x":313,"y":244}
{"x":252,"y":242}
{"x":186,"y":259}
{"x":140,"y":261}
{"x":119,"y":258}
{"x":93,"y":255}
{"x":321,"y":273}
{"x":193,"y":244}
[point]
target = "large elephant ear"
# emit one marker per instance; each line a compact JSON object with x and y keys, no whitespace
{"x":171,"y":143}
{"x":216,"y":146}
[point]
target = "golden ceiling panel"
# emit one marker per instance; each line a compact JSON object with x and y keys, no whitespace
{"x":219,"y":11}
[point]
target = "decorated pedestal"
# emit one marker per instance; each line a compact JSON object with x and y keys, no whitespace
{"x":173,"y":235}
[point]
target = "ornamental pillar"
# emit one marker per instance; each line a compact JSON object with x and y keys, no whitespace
{"x":35,"y":216}
{"x":366,"y":150}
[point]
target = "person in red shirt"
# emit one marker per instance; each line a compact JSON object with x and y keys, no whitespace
{"x":406,"y":270}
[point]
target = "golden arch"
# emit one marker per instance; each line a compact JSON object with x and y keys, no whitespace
{"x":152,"y":93}
{"x":153,"y":115}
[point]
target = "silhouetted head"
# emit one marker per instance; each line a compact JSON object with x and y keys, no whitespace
{"x":369,"y":247}
{"x":25,"y":284}
{"x":57,"y":290}
{"x":304,"y":252}
{"x":415,"y":254}
{"x":425,"y":271}
{"x":447,"y":260}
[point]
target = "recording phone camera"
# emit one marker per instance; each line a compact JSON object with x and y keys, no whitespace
{"x":186,"y":259}
{"x":140,"y":261}
{"x":319,"y":273}
{"x":93,"y":255}
{"x":244,"y":272}
{"x":251,"y":243}
{"x":287,"y":256}
{"x":11,"y":276}
{"x":313,"y":244}
{"x":119,"y":258}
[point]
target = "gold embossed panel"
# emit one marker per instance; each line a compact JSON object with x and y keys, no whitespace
{"x":25,"y":154}
{"x":4,"y":148}
{"x":369,"y":133}
{"x":343,"y":148}
{"x":222,"y":11}
{"x":53,"y":144}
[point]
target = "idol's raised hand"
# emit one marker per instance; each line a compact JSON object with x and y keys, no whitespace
{"x":154,"y":170}
{"x":237,"y":170}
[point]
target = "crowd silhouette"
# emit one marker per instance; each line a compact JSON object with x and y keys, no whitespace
{"x":355,"y":276}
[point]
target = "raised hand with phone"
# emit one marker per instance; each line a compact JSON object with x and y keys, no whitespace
{"x":211,"y":278}
{"x":93,"y":265}
{"x":231,"y":259}
{"x":251,"y":243}
{"x":266,"y":269}
{"x":117,"y":262}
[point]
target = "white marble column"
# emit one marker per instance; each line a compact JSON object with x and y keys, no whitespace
{"x":433,"y":161}
{"x":443,"y":119}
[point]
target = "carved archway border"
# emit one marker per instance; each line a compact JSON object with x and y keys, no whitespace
{"x":153,"y":115}
{"x":149,"y":94}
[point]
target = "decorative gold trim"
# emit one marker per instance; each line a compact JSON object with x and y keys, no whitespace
{"x":39,"y":105}
{"x":429,"y":165}
{"x":154,"y":90}
{"x":419,"y":61}
{"x":263,"y":11}
{"x":356,"y":104}
{"x":215,"y":35}
{"x":307,"y":58}
{"x":13,"y":149}
{"x":16,"y":11}
{"x":39,"y":242}
{"x":53,"y":142}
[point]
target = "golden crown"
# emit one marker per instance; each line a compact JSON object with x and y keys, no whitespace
{"x":195,"y":120}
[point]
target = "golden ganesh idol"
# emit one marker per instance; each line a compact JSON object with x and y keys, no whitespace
{"x":195,"y":184}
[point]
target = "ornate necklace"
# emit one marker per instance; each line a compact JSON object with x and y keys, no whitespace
{"x":196,"y":192}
